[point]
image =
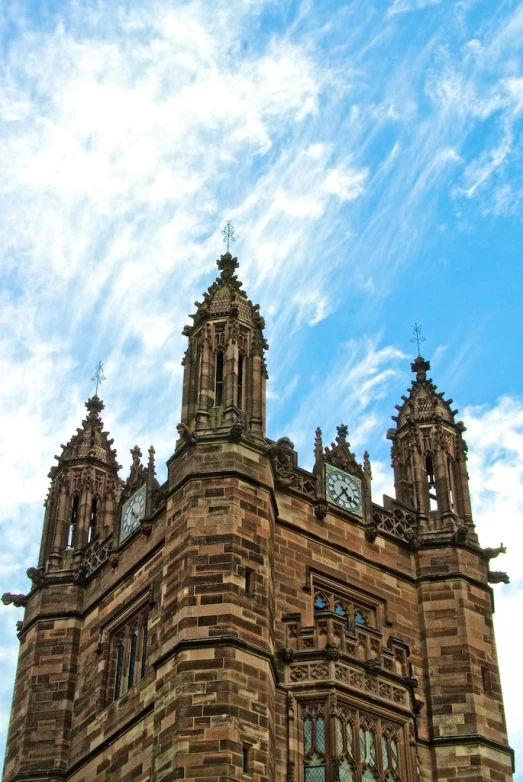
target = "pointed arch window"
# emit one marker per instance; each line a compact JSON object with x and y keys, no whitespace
{"x":129,"y":655}
{"x":320,"y":602}
{"x":218,"y":385}
{"x":314,"y":744}
{"x":74,"y":519}
{"x":93,"y":519}
{"x":241,"y":369}
{"x":120,"y":652}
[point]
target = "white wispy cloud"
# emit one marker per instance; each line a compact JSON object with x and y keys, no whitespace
{"x":132,"y":132}
{"x":495,"y":438}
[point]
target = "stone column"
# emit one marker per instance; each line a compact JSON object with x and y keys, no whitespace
{"x":258,"y":395}
{"x":204,"y":381}
{"x":230,"y":382}
{"x":442,"y":488}
{"x":60,"y":531}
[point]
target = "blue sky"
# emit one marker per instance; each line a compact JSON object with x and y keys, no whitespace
{"x":369,"y":155}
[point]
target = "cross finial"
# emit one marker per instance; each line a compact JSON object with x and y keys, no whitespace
{"x":228,"y":233}
{"x":98,"y":376}
{"x":417,"y":338}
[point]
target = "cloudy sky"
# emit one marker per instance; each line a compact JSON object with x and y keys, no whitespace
{"x":369,"y":154}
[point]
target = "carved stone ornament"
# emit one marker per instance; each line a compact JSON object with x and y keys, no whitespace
{"x":498,"y":577}
{"x":321,"y":510}
{"x":37,"y":577}
{"x":371,"y":533}
{"x":418,"y":705}
{"x":492,"y":553}
{"x":460,"y":535}
{"x":19,"y":601}
{"x":373,"y":667}
{"x":236,"y":432}
{"x":186,"y":434}
{"x":146,"y":526}
{"x":114,"y":558}
{"x":290,"y":770}
{"x":81,"y":574}
{"x":286,"y":655}
{"x":332,"y":652}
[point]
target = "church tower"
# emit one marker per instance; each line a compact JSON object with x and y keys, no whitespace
{"x":249,"y":619}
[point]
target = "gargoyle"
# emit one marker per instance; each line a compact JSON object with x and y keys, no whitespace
{"x":19,"y":601}
{"x":321,"y":510}
{"x":186,"y":434}
{"x":460,"y":535}
{"x":37,"y":577}
{"x":373,"y":667}
{"x":280,"y":453}
{"x":280,"y":449}
{"x":80,"y":574}
{"x":492,"y":553}
{"x":498,"y":577}
{"x":236,"y":432}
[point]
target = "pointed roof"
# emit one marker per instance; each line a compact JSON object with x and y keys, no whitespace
{"x":339,"y":454}
{"x":423,"y":403}
{"x":225,"y":298}
{"x":90,"y":441}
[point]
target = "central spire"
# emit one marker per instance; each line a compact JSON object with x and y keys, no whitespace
{"x":224,"y":364}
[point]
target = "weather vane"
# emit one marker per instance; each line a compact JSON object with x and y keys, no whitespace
{"x":417,"y":337}
{"x":228,"y":233}
{"x":98,"y":375}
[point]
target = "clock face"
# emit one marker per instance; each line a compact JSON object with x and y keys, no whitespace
{"x":132,"y":513}
{"x":344,"y":491}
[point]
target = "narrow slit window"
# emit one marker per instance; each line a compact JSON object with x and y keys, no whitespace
{"x":219,"y":379}
{"x":74,"y":519}
{"x":241,"y":362}
{"x":245,"y":758}
{"x":249,"y":581}
{"x":144,"y":649}
{"x":120,"y":649}
{"x":132,"y":656}
{"x":92,"y":520}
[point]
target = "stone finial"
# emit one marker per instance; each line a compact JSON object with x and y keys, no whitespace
{"x":227,"y":265}
{"x":420,"y":367}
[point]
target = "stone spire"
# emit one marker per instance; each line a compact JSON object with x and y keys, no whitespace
{"x":224,"y":364}
{"x":429,"y":455}
{"x":84,"y":491}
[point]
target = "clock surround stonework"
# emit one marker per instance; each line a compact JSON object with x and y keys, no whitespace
{"x":248,"y":627}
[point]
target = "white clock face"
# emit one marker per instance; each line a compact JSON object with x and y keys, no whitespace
{"x":132,"y":513}
{"x":344,"y":490}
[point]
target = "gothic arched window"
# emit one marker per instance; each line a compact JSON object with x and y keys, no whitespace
{"x":218,"y":385}
{"x":314,"y":744}
{"x":241,"y":364}
{"x":353,"y":746}
{"x":129,"y":654}
{"x":120,"y":651}
{"x":320,"y":602}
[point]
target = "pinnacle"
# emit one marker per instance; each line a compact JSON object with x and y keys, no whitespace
{"x":420,"y":367}
{"x":227,"y":265}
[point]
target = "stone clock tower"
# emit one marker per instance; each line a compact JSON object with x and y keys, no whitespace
{"x":248,"y":619}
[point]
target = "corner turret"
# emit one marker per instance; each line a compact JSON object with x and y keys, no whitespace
{"x":429,"y":456}
{"x":84,"y":492}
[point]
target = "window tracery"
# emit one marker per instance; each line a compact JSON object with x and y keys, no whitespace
{"x":354,"y":746}
{"x":352,"y":611}
{"x":128,"y":657}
